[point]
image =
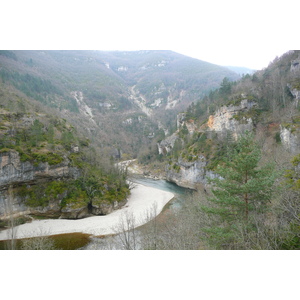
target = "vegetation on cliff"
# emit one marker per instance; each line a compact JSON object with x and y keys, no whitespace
{"x":96,"y":111}
{"x":41,"y":139}
{"x":115,"y":88}
{"x":240,"y":208}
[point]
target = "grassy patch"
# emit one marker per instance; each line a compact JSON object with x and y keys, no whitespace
{"x":68,"y":241}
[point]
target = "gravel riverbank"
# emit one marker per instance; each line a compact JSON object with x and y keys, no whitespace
{"x":140,"y":201}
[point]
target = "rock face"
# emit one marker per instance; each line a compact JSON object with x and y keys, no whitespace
{"x":295,"y":92}
{"x":233,"y":118}
{"x":14,"y":172}
{"x":107,"y":208}
{"x":227,"y":119}
{"x":188,"y":174}
{"x":291,"y":141}
{"x":295,"y":65}
{"x":167,"y":144}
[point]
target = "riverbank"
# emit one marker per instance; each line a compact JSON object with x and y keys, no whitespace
{"x":153,"y":171}
{"x":140,"y":201}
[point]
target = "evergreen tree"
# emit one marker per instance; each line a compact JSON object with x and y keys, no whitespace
{"x":242,"y":187}
{"x":36,"y":133}
{"x":225,"y":88}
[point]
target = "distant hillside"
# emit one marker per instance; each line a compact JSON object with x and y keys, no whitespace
{"x":118,"y":99}
{"x":241,"y":70}
{"x":265,"y":103}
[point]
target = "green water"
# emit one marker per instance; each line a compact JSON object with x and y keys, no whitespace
{"x":179,"y":192}
{"x":75,"y":241}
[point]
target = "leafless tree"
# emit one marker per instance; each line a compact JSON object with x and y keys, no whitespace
{"x":38,"y":243}
{"x":150,"y":233}
{"x":126,"y":232}
{"x":12,"y":232}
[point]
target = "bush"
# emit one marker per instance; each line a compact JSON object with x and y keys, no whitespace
{"x":277,"y":138}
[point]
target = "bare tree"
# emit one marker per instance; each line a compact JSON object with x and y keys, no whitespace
{"x":12,"y":232}
{"x":150,"y":233}
{"x":126,"y":232}
{"x":38,"y":243}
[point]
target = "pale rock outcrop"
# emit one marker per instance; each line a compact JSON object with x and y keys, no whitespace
{"x":290,"y":141}
{"x":192,"y":174}
{"x":14,"y":172}
{"x":295,"y":65}
{"x":188,"y":174}
{"x":295,"y":92}
{"x":224,"y":119}
{"x":167,"y":144}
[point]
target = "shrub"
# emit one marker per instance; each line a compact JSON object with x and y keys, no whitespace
{"x":277,"y":137}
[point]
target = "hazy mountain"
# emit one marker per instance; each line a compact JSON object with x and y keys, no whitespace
{"x":241,"y":70}
{"x":63,"y":113}
{"x":119,"y":99}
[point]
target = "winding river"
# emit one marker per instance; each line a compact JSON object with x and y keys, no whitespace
{"x":179,"y":196}
{"x":180,"y":193}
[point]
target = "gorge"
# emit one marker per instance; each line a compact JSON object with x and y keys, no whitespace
{"x":67,"y":118}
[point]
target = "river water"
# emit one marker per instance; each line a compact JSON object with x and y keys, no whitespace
{"x":111,"y":242}
{"x":180,"y":194}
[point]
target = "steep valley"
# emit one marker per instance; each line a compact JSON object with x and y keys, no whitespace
{"x":68,"y":117}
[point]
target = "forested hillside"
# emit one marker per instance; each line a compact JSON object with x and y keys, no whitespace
{"x":66,"y":115}
{"x":120,"y":100}
{"x":47,"y":167}
{"x":239,"y":148}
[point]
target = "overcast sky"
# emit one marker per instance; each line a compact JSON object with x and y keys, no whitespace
{"x":231,"y":32}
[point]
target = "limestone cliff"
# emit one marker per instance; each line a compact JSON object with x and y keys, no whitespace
{"x":42,"y":189}
{"x":166,"y":145}
{"x":187,"y":174}
{"x":232,"y":118}
{"x":290,"y":138}
{"x":46,"y":169}
{"x":190,"y":170}
{"x":15,"y":173}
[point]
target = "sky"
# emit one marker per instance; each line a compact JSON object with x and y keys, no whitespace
{"x":233,"y":33}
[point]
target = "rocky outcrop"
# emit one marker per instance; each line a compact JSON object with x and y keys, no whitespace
{"x":232,"y":118}
{"x":100,"y":209}
{"x":166,"y":145}
{"x":290,"y":139}
{"x":235,"y":119}
{"x":105,"y":208}
{"x":188,"y":174}
{"x":295,"y":65}
{"x":14,"y":173}
{"x":295,"y":92}
{"x":18,"y":176}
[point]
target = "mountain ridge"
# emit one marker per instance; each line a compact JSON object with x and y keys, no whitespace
{"x":162,"y":80}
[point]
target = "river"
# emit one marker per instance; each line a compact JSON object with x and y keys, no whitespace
{"x":179,"y":192}
{"x":114,"y":242}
